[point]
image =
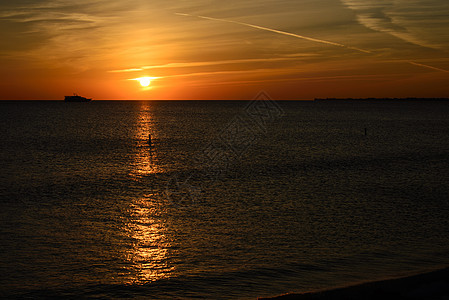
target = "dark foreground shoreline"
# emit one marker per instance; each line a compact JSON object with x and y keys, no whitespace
{"x":433,"y":285}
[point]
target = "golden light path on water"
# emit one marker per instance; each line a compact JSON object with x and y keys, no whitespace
{"x":145,"y":160}
{"x":149,"y":254}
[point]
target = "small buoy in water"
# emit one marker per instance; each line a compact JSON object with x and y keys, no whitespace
{"x":149,"y":140}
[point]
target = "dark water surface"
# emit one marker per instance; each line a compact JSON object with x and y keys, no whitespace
{"x":224,"y":205}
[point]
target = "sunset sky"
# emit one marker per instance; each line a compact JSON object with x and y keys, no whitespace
{"x":208,"y":49}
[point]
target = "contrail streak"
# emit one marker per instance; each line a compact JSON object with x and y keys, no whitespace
{"x":278,"y":32}
{"x":428,"y":67}
{"x":304,"y":38}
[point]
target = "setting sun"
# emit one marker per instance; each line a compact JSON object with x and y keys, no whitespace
{"x":145,"y":81}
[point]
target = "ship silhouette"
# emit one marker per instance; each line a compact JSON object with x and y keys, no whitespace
{"x":76,"y":98}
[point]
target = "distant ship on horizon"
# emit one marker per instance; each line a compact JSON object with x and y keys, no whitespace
{"x":76,"y":98}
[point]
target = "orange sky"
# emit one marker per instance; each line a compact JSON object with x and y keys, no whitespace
{"x":202,"y":49}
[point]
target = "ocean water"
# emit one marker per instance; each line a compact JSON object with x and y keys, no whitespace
{"x":233,"y":200}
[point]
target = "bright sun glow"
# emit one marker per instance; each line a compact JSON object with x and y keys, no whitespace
{"x":145,"y":81}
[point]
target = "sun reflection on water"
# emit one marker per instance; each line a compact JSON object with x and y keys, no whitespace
{"x":145,"y":159}
{"x":149,"y":255}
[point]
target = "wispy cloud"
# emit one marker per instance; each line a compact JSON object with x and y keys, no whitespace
{"x":415,"y":21}
{"x":291,"y":57}
{"x":356,"y":77}
{"x":79,"y":35}
{"x":51,"y":11}
{"x":394,"y":29}
{"x":127,"y":70}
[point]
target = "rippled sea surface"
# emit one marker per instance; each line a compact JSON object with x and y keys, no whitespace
{"x":225,"y":204}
